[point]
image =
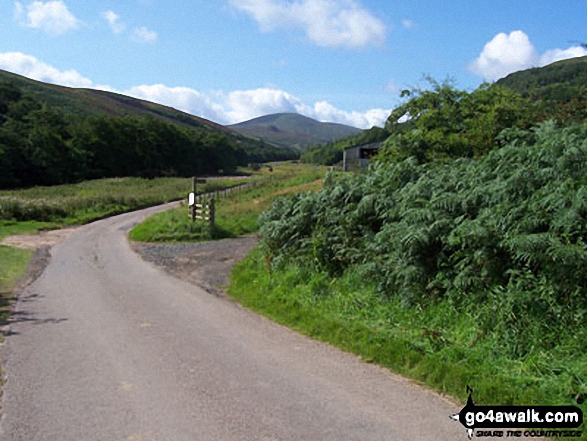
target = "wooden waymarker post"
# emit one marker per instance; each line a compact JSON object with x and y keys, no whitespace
{"x":204,"y":211}
{"x":201,"y":210}
{"x":192,"y":205}
{"x":196,"y":181}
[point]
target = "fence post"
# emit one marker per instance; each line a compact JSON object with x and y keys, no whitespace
{"x":212,"y":212}
{"x":193,"y":206}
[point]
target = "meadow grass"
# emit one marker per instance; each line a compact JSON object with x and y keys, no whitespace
{"x":90,"y":200}
{"x":236,"y":211}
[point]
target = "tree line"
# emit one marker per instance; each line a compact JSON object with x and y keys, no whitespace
{"x":442,"y":122}
{"x":41,"y":146}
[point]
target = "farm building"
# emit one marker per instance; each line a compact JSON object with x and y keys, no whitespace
{"x":357,"y":157}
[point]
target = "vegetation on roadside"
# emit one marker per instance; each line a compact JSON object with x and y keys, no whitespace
{"x":459,"y":258}
{"x":13,"y":264}
{"x":236,"y":212}
{"x":463,"y":272}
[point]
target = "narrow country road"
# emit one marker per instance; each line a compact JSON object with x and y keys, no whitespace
{"x":105,"y":346}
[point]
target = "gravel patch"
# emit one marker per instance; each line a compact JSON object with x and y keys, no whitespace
{"x":206,"y":264}
{"x":44,"y":239}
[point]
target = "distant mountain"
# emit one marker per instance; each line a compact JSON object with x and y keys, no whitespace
{"x":90,"y":102}
{"x":293,"y":130}
{"x":557,"y":82}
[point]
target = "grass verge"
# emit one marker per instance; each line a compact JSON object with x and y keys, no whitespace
{"x":13,"y":265}
{"x":236,"y":212}
{"x":441,"y":345}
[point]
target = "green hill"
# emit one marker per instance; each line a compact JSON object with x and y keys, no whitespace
{"x":452,"y":123}
{"x":556,"y":83}
{"x":90,"y":102}
{"x":293,"y":130}
{"x":54,"y":135}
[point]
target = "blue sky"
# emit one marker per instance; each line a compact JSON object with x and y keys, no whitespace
{"x":334,"y":60}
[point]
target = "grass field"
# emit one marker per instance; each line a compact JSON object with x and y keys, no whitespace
{"x":90,"y":200}
{"x":236,"y":212}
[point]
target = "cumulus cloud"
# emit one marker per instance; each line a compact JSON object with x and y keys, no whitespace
{"x":220,"y":107}
{"x":562,"y":54}
{"x":327,"y":23}
{"x":144,"y":35}
{"x":182,"y":98}
{"x":53,"y":17}
{"x":114,"y":22}
{"x":324,"y":111}
{"x":248,"y":104}
{"x":242,"y":105}
{"x":31,"y":67}
{"x":507,"y":53}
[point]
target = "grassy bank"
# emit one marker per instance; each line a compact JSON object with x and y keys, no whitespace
{"x":236,"y":212}
{"x":440,"y":344}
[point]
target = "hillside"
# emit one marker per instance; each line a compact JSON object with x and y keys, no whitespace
{"x":91,"y":102}
{"x":557,"y":83}
{"x":56,"y":135}
{"x":293,"y":130}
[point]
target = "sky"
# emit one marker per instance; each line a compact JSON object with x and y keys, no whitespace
{"x":228,"y":61}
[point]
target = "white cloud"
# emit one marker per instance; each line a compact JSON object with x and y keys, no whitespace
{"x":114,"y":22}
{"x":18,"y":11}
{"x":182,"y":98}
{"x":562,"y":54}
{"x":407,"y":23}
{"x":327,"y":23}
{"x":31,"y":67}
{"x":324,"y":111}
{"x":223,"y":108}
{"x":144,"y":35}
{"x":243,"y":105}
{"x":53,"y":17}
{"x":248,"y":104}
{"x":507,"y":53}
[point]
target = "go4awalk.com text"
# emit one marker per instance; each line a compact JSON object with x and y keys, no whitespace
{"x":505,"y":421}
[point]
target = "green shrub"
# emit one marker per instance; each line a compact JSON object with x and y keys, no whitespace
{"x":508,"y":228}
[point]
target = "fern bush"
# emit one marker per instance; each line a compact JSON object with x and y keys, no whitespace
{"x":506,"y":229}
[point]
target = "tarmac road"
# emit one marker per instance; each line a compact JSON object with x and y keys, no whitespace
{"x":105,"y":346}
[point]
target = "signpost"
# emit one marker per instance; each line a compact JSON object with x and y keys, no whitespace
{"x":201,"y":210}
{"x":196,"y":181}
